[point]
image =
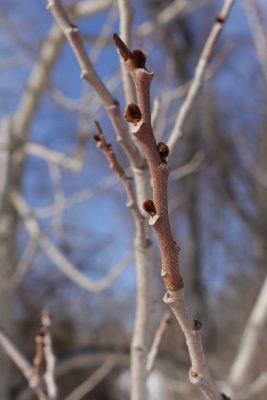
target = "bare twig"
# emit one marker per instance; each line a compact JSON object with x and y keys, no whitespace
{"x":50,"y":155}
{"x":189,"y":167}
{"x":153,"y":352}
{"x":76,"y":198}
{"x":156,"y":155}
{"x":258,"y":33}
{"x":124,"y":179}
{"x":178,"y":129}
{"x":142,"y":246}
{"x":254,"y":388}
{"x":22,"y":364}
{"x":176,"y":8}
{"x":59,"y":196}
{"x":50,"y":360}
{"x":126,"y":17}
{"x":239,"y":372}
{"x":90,"y":383}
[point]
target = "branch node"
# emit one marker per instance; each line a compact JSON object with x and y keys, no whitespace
{"x":163,"y":273}
{"x":72,"y":29}
{"x":83,"y":74}
{"x":194,"y":376}
{"x":220,"y":20}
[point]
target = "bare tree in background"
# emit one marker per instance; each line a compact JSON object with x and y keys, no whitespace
{"x":140,"y":164}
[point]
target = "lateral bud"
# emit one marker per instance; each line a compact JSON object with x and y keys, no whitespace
{"x":139,"y":58}
{"x":125,"y":52}
{"x":163,"y":150}
{"x":132,"y":113}
{"x":197,"y":325}
{"x":149,"y":207}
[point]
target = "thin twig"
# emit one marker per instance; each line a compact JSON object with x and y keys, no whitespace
{"x":89,"y":384}
{"x":189,"y":167}
{"x":50,"y":359}
{"x":143,"y":249}
{"x":126,"y":13}
{"x":258,"y":33}
{"x":22,"y":364}
{"x":178,"y":129}
{"x":239,"y":372}
{"x":154,"y":349}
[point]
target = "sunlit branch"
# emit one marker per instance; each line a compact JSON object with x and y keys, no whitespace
{"x":157,"y":208}
{"x":178,"y":129}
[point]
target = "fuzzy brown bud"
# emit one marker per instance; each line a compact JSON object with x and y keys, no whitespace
{"x":132,"y":113}
{"x":163,"y":151}
{"x":139,"y":59}
{"x":97,"y":137}
{"x":123,"y":49}
{"x":149,"y":207}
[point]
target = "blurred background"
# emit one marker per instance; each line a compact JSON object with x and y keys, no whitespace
{"x":68,"y":194}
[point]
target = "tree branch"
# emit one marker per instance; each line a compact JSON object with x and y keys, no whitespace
{"x":22,"y":364}
{"x":89,"y":384}
{"x":239,"y":372}
{"x":178,"y":129}
{"x":154,"y":349}
{"x":89,"y":74}
{"x":157,"y":208}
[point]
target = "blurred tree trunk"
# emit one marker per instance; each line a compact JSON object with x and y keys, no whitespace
{"x":10,"y":179}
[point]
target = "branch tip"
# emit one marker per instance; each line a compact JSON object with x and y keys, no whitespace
{"x":124,"y":51}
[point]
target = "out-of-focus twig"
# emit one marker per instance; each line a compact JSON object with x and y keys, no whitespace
{"x":89,"y":384}
{"x":126,"y":13}
{"x":204,"y":59}
{"x":258,"y":33}
{"x":22,"y":364}
{"x":189,"y":167}
{"x":240,"y":368}
{"x":50,"y":359}
{"x":154,"y":349}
